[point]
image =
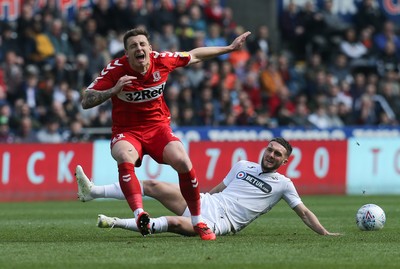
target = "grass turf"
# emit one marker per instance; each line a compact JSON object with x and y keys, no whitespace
{"x":64,"y":235}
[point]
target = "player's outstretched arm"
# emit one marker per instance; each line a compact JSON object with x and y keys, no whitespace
{"x":205,"y":53}
{"x":309,"y":218}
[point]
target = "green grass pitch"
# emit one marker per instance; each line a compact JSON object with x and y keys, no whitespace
{"x":64,"y":235}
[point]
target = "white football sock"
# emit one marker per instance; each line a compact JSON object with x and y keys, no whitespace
{"x":110,"y":191}
{"x":158,"y":225}
{"x":196,"y":219}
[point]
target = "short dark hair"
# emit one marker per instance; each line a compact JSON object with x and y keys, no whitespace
{"x":135,"y":32}
{"x":284,"y":143}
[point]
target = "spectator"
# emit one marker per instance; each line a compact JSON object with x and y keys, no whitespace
{"x":369,"y":15}
{"x":213,"y":12}
{"x":336,"y":96}
{"x":206,"y":114}
{"x":51,"y":132}
{"x":345,"y":114}
{"x":58,"y":37}
{"x":185,"y":33}
{"x":213,"y":77}
{"x":352,"y":47}
{"x":71,"y":103}
{"x":101,"y":14}
{"x":281,"y":102}
{"x":98,"y":55}
{"x":20,"y":111}
{"x":387,"y":89}
{"x":334,"y":120}
{"x":317,"y":86}
{"x":75,"y":133}
{"x":81,"y":73}
{"x":25,"y":132}
{"x":120,"y":14}
{"x":340,"y":68}
{"x":9,"y":42}
{"x":358,"y":87}
{"x":13,"y":75}
{"x":214,"y":38}
{"x":335,"y":25}
{"x":197,"y":20}
{"x":229,"y":25}
{"x":270,"y":79}
{"x":163,"y":14}
{"x":43,"y":50}
{"x":300,"y":116}
{"x":102,"y":119}
{"x":6,"y":136}
{"x":166,"y":40}
{"x":180,"y":10}
{"x":228,"y":76}
{"x":62,"y":70}
{"x":365,"y":112}
{"x":366,"y":38}
{"x":196,"y":74}
{"x":246,"y":115}
{"x":29,"y":91}
{"x":388,"y":61}
{"x":224,"y":110}
{"x":379,"y":104}
{"x":252,"y":87}
{"x":185,"y":98}
{"x":385,"y":35}
{"x":187,"y":116}
{"x":312,"y":20}
{"x":76,"y":42}
{"x":261,"y":41}
{"x":239,"y":59}
{"x":313,"y":65}
{"x":293,"y":31}
{"x":89,"y":36}
{"x":292,"y":78}
{"x":319,"y":117}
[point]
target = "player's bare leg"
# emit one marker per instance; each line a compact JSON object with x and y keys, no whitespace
{"x":126,"y":156}
{"x":175,"y":155}
{"x":172,"y":224}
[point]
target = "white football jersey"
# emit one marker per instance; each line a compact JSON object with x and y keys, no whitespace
{"x":251,"y":193}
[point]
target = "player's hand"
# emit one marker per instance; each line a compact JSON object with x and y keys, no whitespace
{"x":239,"y":41}
{"x":122,"y":82}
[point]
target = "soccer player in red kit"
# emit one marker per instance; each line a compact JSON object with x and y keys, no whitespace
{"x":141,"y":119}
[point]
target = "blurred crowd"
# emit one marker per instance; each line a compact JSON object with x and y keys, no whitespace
{"x":328,"y":72}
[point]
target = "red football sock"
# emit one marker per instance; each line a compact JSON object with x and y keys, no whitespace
{"x":130,"y":185}
{"x":190,"y":191}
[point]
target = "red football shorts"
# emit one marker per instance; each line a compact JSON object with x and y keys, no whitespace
{"x":149,"y":139}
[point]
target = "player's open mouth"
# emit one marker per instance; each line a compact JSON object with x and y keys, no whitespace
{"x":140,"y":57}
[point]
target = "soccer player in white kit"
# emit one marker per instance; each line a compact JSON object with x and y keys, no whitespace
{"x":248,"y":191}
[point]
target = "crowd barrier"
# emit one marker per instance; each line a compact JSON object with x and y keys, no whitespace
{"x":360,"y":164}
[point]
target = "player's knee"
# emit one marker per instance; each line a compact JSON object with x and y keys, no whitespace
{"x":178,"y":225}
{"x":150,"y":187}
{"x":182,"y":165}
{"x":123,"y":156}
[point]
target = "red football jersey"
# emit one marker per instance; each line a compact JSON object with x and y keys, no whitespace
{"x":143,"y":101}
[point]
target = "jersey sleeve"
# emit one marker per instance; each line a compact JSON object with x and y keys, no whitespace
{"x":232,"y":173}
{"x":291,"y":196}
{"x":173,"y":60}
{"x":105,"y":80}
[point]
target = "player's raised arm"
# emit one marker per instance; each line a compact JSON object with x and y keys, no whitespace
{"x":205,"y":53}
{"x":309,"y":218}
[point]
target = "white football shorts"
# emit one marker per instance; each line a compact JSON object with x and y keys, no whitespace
{"x":214,"y":215}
